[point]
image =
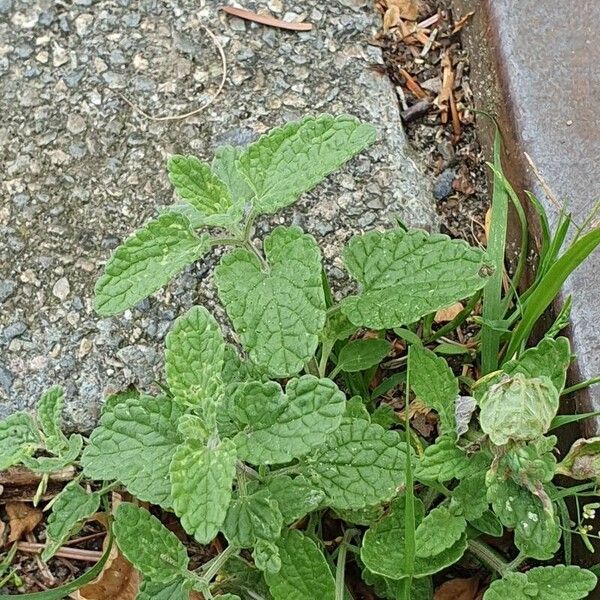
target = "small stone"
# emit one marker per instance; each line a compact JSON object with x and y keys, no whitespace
{"x":61,"y":289}
{"x":59,"y":56}
{"x":38,"y":363}
{"x":6,"y":379}
{"x":42,"y":56}
{"x":13,"y":330}
{"x":76,"y":124}
{"x":7,"y":287}
{"x":5,"y":6}
{"x":84,"y":347}
{"x":442,"y":187}
{"x":83,"y":24}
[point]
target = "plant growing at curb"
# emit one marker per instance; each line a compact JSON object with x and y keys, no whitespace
{"x":264,"y":442}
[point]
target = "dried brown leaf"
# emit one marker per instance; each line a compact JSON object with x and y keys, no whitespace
{"x":462,"y":22}
{"x":457,"y":589}
{"x":407,"y":9}
{"x":445,"y":315}
{"x":391,"y":18}
{"x":22,"y":519}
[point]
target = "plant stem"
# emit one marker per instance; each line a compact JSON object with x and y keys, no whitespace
{"x":580,"y":386}
{"x":311,"y":367}
{"x":326,"y":349}
{"x":409,"y":515}
{"x":340,"y":571}
{"x":489,"y":557}
{"x":513,"y":565}
{"x":217,"y":563}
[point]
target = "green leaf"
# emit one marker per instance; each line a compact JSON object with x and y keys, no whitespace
{"x":435,"y":385}
{"x":543,"y":583}
{"x":356,"y":409}
{"x":536,"y":530}
{"x":252,"y":517}
{"x":582,"y":460}
{"x":196,"y":183}
{"x":49,"y":416}
{"x":406,"y":275}
{"x":550,"y":358}
{"x":239,"y":577}
{"x":469,"y":497}
{"x":201,"y":479}
{"x":282,"y":427}
{"x":134,"y":443}
{"x":360,"y":464}
{"x":439,"y":531}
{"x":151,"y":590}
{"x":147,"y":261}
{"x":292,"y":159}
{"x":304,"y":573}
{"x":224,"y":165}
{"x":383,"y":550}
{"x":360,"y":355}
{"x":148,"y":545}
{"x":395,"y":589}
{"x":385,"y":416}
{"x":442,"y":462}
{"x":361,"y":516}
{"x":266,"y":556}
{"x":49,"y":464}
{"x":18,"y":438}
{"x":278,"y":311}
{"x":295,"y":497}
{"x":69,"y":510}
{"x":194,"y":358}
{"x":518,"y":408}
{"x":488,"y":523}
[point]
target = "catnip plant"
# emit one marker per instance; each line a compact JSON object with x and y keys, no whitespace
{"x":267,"y":441}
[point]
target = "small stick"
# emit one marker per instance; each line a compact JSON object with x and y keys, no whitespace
{"x":242,"y":13}
{"x":429,"y":21}
{"x":412,"y":85}
{"x":21,"y":476}
{"x":64,"y":552}
{"x":85,"y":538}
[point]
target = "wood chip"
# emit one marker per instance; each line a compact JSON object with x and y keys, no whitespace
{"x":462,"y":22}
{"x":443,"y":100}
{"x":22,"y":519}
{"x":391,"y":18}
{"x":456,"y":128}
{"x":413,"y":86}
{"x":21,"y":476}
{"x":407,"y":9}
{"x":415,"y":111}
{"x":445,"y":315}
{"x":268,"y":20}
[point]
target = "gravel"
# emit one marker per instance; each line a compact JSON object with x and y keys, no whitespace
{"x":80,"y":170}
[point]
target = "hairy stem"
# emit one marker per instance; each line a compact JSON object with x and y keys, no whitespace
{"x":340,"y":572}
{"x":489,"y":557}
{"x":217,"y":563}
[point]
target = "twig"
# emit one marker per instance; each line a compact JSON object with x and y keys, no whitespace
{"x":200,"y":108}
{"x":242,"y":13}
{"x":64,"y":552}
{"x":21,"y":476}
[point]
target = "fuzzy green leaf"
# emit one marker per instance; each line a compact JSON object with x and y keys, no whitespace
{"x":488,"y":523}
{"x":194,"y":359}
{"x":361,"y":464}
{"x":252,"y":517}
{"x":201,"y":479}
{"x":438,"y":531}
{"x":224,"y":165}
{"x":134,"y":443}
{"x":147,"y":261}
{"x":69,"y":509}
{"x":151,"y":590}
{"x":282,"y":427}
{"x":582,"y":460}
{"x":395,"y":589}
{"x":198,"y":185}
{"x":304,"y":573}
{"x":295,"y":497}
{"x":49,"y":416}
{"x":148,"y":545}
{"x":278,"y":313}
{"x":292,"y":159}
{"x":442,"y":461}
{"x":266,"y":556}
{"x":383,"y":549}
{"x":469,"y":497}
{"x":406,"y":275}
{"x":19,"y":438}
{"x":49,"y":464}
{"x":434,"y":384}
{"x":544,"y":583}
{"x":518,"y":408}
{"x":360,"y":355}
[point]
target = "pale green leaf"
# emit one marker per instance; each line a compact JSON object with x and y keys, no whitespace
{"x":383,"y":549}
{"x":291,"y":160}
{"x":405,"y":275}
{"x":360,"y":355}
{"x":488,"y":523}
{"x":252,"y":517}
{"x":194,"y":357}
{"x":304,"y":573}
{"x":433,"y":382}
{"x":69,"y":510}
{"x":224,"y":165}
{"x":356,"y":409}
{"x":151,"y":590}
{"x":201,"y":479}
{"x":266,"y":556}
{"x":49,"y":464}
{"x":280,"y":427}
{"x":361,"y":516}
{"x":438,"y":531}
{"x":148,"y":545}
{"x":385,"y":416}
{"x":442,"y":461}
{"x":295,"y":497}
{"x":146,"y":262}
{"x":49,"y":416}
{"x":19,"y":438}
{"x":239,"y":577}
{"x":518,"y":409}
{"x":134,"y":443}
{"x":395,"y":589}
{"x":360,"y":465}
{"x":550,"y":358}
{"x":544,"y":583}
{"x":198,"y":185}
{"x":469,"y":497}
{"x":582,"y":460}
{"x":278,"y":311}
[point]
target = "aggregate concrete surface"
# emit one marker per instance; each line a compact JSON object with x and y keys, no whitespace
{"x":80,"y":169}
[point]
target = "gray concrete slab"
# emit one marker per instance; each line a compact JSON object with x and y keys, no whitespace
{"x":79,"y":170}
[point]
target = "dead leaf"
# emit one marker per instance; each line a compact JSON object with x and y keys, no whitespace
{"x":488,"y":224}
{"x":248,"y":15}
{"x":407,"y":9}
{"x":457,"y":589}
{"x":22,"y":518}
{"x":462,"y":22}
{"x":391,"y":18}
{"x":445,"y":315}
